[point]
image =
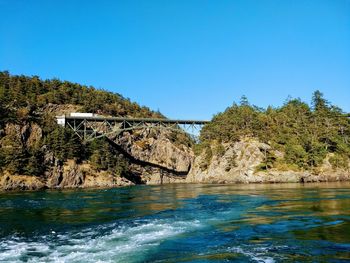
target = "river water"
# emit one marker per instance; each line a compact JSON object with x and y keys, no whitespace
{"x":178,"y":223}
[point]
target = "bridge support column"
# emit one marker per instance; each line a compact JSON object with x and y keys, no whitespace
{"x":161,"y":177}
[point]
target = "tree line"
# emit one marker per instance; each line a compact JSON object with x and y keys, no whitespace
{"x":305,"y":134}
{"x":23,"y":101}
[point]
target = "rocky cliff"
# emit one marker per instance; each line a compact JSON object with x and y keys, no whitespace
{"x":241,"y":162}
{"x":303,"y":143}
{"x":153,"y":159}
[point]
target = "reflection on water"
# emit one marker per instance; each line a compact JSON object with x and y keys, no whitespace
{"x":181,"y":223}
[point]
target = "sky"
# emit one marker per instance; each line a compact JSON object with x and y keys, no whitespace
{"x":190,"y":59}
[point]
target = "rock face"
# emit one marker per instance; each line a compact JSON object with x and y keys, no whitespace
{"x":18,"y":182}
{"x":69,"y":175}
{"x":238,"y":164}
{"x":154,"y":147}
{"x":28,"y":134}
{"x":155,"y":158}
{"x":60,"y":175}
{"x":61,"y":109}
{"x":154,"y":176}
{"x":73,"y":175}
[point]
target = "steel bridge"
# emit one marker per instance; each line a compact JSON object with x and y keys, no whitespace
{"x":92,"y":127}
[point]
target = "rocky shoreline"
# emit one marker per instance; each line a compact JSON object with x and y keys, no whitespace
{"x":30,"y":183}
{"x":303,"y":143}
{"x":236,"y":163}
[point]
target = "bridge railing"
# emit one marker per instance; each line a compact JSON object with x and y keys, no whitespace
{"x":89,"y":127}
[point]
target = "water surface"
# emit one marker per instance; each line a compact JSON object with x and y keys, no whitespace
{"x":178,"y":223}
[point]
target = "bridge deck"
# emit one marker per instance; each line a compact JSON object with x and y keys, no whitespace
{"x":148,"y":120}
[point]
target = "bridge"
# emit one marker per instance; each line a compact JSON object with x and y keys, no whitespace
{"x":88,"y":126}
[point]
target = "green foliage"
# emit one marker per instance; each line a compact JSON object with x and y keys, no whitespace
{"x":2,"y":161}
{"x":296,"y":154}
{"x":105,"y":157}
{"x":232,"y":162}
{"x":200,"y":147}
{"x":24,"y":100}
{"x":16,"y":157}
{"x":243,"y":120}
{"x":219,"y":150}
{"x":318,"y":101}
{"x":180,"y":138}
{"x":34,"y":163}
{"x":268,"y":161}
{"x":339,"y":161}
{"x":22,"y":92}
{"x":208,"y":155}
{"x":64,"y":144}
{"x":205,"y":148}
{"x":305,"y":134}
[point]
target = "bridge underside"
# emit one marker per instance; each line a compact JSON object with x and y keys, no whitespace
{"x":91,"y":128}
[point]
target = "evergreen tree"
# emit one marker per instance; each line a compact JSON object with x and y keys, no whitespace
{"x":305,"y":135}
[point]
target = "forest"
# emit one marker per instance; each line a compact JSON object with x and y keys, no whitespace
{"x":23,"y":102}
{"x":304,"y":134}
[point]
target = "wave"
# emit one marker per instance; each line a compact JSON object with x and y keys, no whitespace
{"x":116,"y":244}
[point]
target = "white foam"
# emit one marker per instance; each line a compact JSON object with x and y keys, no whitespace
{"x":257,"y":254}
{"x":121,"y":244}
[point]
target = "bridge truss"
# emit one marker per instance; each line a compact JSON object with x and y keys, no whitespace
{"x":91,"y":128}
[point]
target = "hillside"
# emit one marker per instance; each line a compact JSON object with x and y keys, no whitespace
{"x":245,"y":143}
{"x":296,"y":142}
{"x":33,"y":144}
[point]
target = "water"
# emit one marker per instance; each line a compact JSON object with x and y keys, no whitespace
{"x":178,"y":223}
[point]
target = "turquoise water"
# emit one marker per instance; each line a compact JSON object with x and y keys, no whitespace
{"x":178,"y":223}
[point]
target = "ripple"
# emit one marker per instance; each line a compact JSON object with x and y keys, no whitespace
{"x":117,"y":244}
{"x":181,"y":223}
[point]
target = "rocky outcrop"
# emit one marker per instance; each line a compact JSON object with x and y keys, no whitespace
{"x":235,"y":164}
{"x":239,"y":162}
{"x":154,"y":176}
{"x":18,"y":135}
{"x":73,"y":175}
{"x":17,"y":182}
{"x":104,"y":179}
{"x":154,"y":148}
{"x":154,"y":158}
{"x":61,"y":109}
{"x":68,"y":175}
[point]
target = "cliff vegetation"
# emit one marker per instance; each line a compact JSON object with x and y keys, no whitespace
{"x":299,"y":136}
{"x":32,"y":143}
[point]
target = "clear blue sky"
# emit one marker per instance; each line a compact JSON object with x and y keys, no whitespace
{"x":189,"y":59}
